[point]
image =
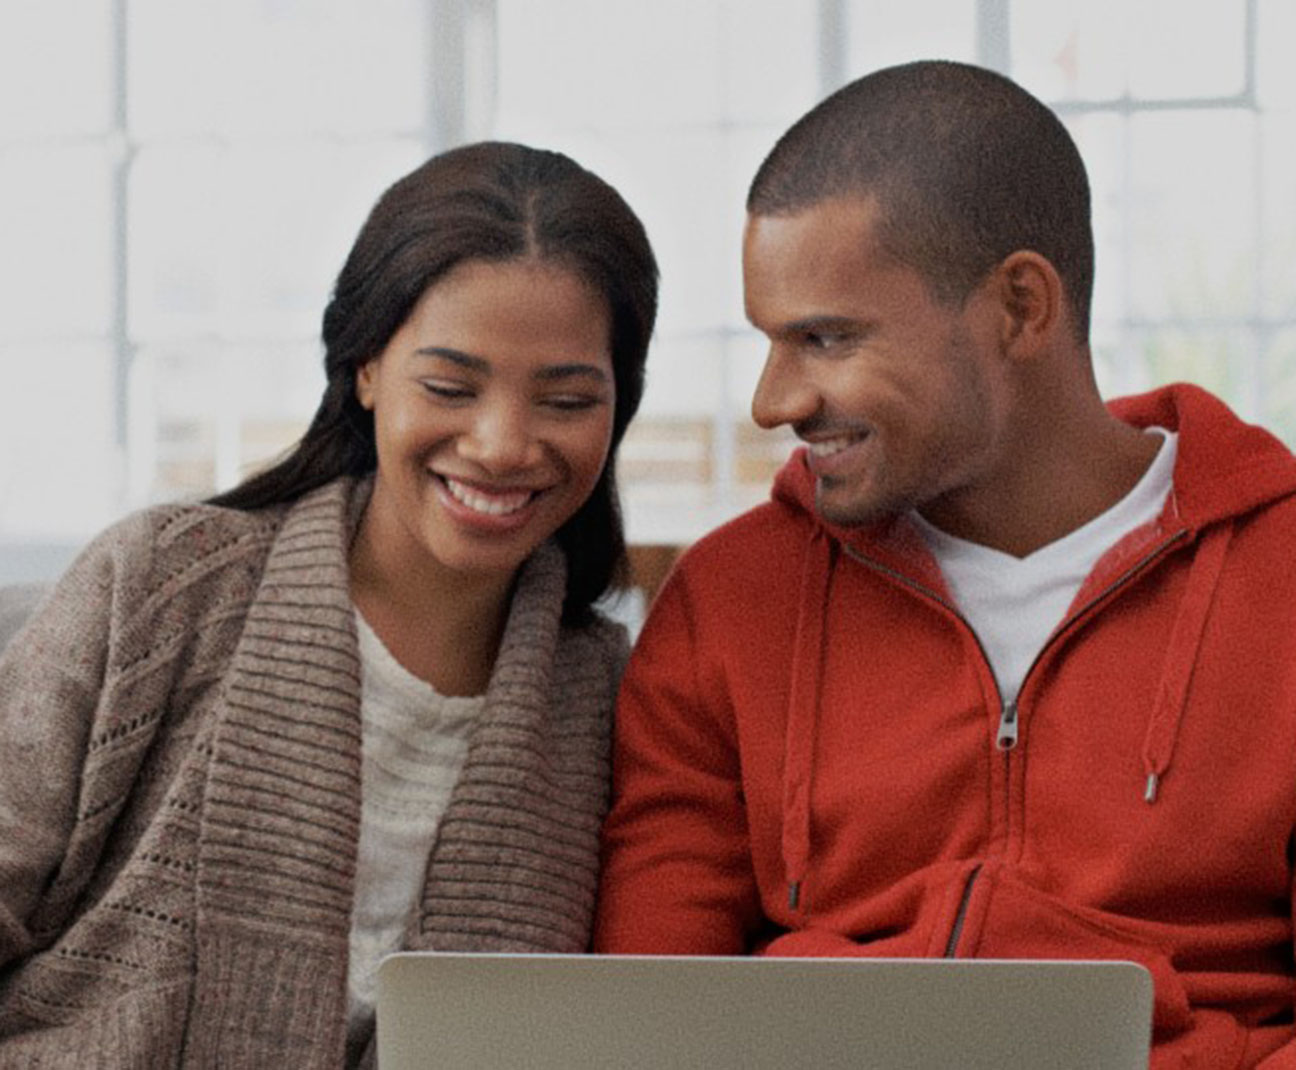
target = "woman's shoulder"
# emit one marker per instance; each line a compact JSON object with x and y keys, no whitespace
{"x":187,"y":552}
{"x":592,"y":655}
{"x":187,"y":529}
{"x":178,"y":535}
{"x":604,"y":633}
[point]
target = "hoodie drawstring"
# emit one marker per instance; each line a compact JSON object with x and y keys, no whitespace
{"x":817,"y":566}
{"x":1181,"y":656}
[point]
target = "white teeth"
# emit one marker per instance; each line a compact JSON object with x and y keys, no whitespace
{"x":490,"y":504}
{"x":830,"y":446}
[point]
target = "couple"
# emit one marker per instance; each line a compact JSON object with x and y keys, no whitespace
{"x":996,"y":672}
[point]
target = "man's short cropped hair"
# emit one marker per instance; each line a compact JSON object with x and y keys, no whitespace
{"x":965,"y":165}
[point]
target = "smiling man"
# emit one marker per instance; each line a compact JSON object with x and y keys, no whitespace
{"x":1001,"y":671}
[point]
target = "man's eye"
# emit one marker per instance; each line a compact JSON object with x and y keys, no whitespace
{"x":841,"y":340}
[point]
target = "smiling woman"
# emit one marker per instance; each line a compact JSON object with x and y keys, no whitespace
{"x":493,"y":409}
{"x":362,"y":701}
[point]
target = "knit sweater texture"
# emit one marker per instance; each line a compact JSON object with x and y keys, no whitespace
{"x":180,"y":752}
{"x":813,"y":758}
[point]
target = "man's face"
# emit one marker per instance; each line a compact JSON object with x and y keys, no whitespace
{"x":902,"y":400}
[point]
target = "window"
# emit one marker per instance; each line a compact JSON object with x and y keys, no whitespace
{"x":182,"y":181}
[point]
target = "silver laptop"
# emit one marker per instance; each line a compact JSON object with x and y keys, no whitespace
{"x":576,"y":1012}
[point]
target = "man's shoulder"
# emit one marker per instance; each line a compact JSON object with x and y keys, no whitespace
{"x":767,"y":532}
{"x":751,"y":558}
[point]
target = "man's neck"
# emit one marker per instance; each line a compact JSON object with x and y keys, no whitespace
{"x":1065,"y":474}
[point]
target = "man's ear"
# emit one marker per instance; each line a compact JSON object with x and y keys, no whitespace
{"x":1033,"y":301}
{"x":364,"y":386}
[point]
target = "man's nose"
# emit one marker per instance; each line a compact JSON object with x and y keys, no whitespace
{"x":784,"y":394}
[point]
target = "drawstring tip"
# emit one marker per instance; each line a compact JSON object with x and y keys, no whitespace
{"x":1150,"y":792}
{"x":794,"y":895}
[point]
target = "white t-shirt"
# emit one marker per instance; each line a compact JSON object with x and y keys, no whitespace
{"x":414,"y":743}
{"x":1014,"y":603}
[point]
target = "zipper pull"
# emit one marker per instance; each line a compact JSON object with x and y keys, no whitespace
{"x":1007,"y":738}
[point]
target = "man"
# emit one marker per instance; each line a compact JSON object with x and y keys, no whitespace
{"x":1000,"y":671}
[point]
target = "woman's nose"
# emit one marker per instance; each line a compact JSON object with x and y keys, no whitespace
{"x":501,"y":439}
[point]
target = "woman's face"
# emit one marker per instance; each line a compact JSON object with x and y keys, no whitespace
{"x":492,"y":413}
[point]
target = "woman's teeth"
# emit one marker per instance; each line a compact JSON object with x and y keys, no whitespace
{"x":490,"y":504}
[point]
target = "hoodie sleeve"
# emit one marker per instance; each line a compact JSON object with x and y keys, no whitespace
{"x":677,"y":874}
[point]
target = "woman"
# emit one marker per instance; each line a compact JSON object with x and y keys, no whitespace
{"x":362,"y":701}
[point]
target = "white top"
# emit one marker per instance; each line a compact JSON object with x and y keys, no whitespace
{"x":1014,"y":603}
{"x":414,"y":743}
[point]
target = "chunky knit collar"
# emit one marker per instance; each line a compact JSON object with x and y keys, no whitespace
{"x":280,"y":823}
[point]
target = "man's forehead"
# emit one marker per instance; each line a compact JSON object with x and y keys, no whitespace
{"x":829,"y":230}
{"x":790,"y":256}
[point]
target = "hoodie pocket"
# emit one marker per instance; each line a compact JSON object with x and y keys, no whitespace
{"x":1012,"y":920}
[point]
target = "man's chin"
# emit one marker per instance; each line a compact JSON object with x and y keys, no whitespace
{"x":832,"y":507}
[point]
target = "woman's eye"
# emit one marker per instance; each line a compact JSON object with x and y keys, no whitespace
{"x":571,"y":402}
{"x":446,"y":391}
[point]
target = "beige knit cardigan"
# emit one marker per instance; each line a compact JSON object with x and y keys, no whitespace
{"x":180,"y":793}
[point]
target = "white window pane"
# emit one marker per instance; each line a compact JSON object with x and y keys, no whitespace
{"x":883,"y":33}
{"x":55,"y":78}
{"x":1280,"y":378}
{"x":55,"y":256}
{"x":1063,"y":51}
{"x":1102,"y":139}
{"x":243,"y":67}
{"x":206,"y":414}
{"x":1185,"y":50}
{"x":1192,"y":216}
{"x":1103,"y":49}
{"x":1275,"y":71}
{"x":246,"y":242}
{"x":768,"y":55}
{"x":58,"y":432}
{"x":619,"y":64}
{"x":609,"y":63}
{"x":1226,"y":362}
{"x":1278,"y":250}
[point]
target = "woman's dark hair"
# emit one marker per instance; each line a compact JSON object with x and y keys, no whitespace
{"x":492,"y":201}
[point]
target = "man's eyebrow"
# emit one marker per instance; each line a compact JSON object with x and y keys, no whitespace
{"x":820,"y":324}
{"x":455,"y":356}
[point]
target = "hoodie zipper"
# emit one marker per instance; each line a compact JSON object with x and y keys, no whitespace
{"x":1007,"y":734}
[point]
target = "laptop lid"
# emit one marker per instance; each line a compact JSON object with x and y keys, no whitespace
{"x":578,"y":1012}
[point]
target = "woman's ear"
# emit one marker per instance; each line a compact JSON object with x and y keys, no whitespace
{"x":364,"y":386}
{"x":1033,"y":301}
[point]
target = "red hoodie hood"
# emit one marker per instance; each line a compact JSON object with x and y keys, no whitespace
{"x":1224,"y":469}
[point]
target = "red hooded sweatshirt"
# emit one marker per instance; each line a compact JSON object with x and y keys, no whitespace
{"x":812,"y":755}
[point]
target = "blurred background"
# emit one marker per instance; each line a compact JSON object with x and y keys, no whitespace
{"x":181,"y":179}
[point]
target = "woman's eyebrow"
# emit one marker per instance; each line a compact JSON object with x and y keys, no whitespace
{"x":455,"y":356}
{"x":551,"y":372}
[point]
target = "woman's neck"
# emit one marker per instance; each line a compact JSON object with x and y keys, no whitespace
{"x":443,"y":626}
